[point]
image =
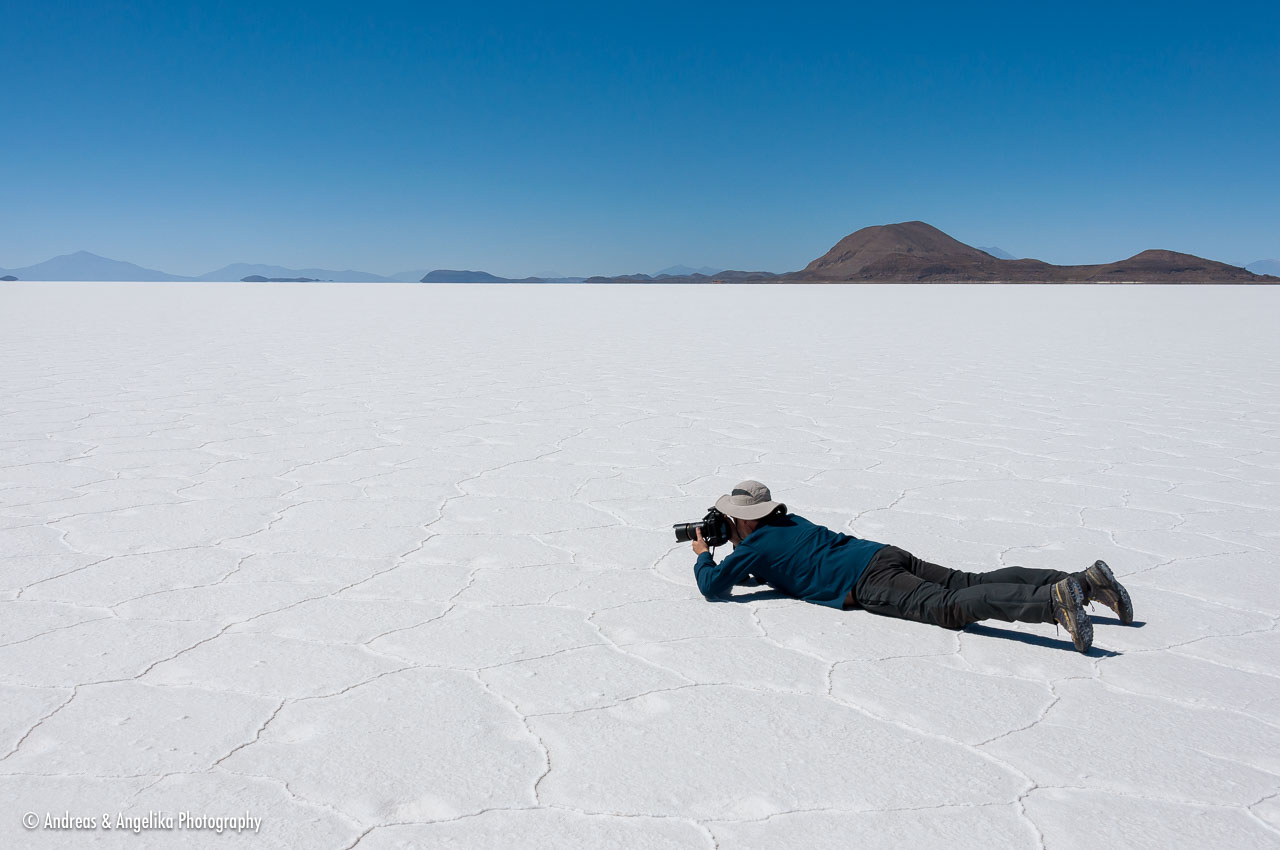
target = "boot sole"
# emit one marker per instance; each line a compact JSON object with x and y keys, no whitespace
{"x":1126,"y":604}
{"x":1082,"y":635}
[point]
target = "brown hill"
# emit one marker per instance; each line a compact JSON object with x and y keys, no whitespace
{"x":913,"y":251}
{"x":1172,"y":267}
{"x":875,"y":251}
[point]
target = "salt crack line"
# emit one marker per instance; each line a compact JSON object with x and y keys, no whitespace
{"x":40,"y":722}
{"x":256,"y":735}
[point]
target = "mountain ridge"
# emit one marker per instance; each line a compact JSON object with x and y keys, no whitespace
{"x":905,"y":252}
{"x":73,"y":266}
{"x":914,"y":251}
{"x":239,"y":271}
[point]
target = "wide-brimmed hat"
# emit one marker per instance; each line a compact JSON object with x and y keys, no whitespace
{"x":748,"y":500}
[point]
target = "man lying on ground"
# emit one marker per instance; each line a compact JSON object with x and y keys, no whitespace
{"x":819,"y":565}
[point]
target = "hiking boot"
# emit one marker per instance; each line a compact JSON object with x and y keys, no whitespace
{"x":1104,"y":588}
{"x":1068,"y":611}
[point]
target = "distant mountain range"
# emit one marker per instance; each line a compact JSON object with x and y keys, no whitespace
{"x":464,"y":276}
{"x":239,"y":271}
{"x":915,"y":252}
{"x":685,"y":270}
{"x":85,"y":266}
{"x":910,"y":251}
{"x":727,"y":276}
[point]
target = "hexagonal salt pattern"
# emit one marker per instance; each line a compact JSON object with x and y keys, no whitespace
{"x":391,"y":566}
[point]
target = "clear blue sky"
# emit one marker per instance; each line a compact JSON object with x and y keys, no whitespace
{"x":618,"y":137}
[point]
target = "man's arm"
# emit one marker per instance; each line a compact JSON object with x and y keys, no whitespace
{"x":717,"y":579}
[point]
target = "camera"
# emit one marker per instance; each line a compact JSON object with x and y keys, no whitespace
{"x":715,"y":526}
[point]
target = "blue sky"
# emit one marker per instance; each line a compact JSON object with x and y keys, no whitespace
{"x":622,"y":137}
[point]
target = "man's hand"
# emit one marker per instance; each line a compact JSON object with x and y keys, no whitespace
{"x":700,"y":545}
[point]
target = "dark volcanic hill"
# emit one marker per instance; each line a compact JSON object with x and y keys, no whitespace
{"x":917,"y":252}
{"x":727,"y":276}
{"x":460,"y":276}
{"x":470,"y":276}
{"x":890,"y":248}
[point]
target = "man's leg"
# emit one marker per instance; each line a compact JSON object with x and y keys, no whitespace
{"x":897,"y":584}
{"x":1097,"y":582}
{"x":958,"y":580}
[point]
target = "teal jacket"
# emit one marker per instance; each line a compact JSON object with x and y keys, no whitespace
{"x":808,"y":561}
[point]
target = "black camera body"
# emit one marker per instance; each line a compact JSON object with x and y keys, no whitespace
{"x":716,"y":528}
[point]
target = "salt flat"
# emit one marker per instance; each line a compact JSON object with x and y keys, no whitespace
{"x":392,"y":566}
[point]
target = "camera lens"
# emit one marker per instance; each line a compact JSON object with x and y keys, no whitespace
{"x":686,"y":531}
